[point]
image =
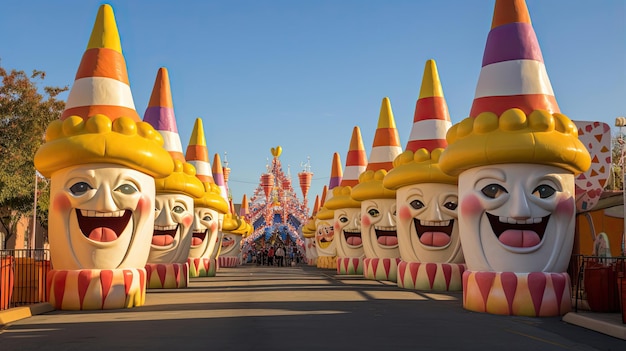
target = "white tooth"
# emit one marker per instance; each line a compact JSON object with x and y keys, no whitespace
{"x":503,"y":219}
{"x":537,"y":220}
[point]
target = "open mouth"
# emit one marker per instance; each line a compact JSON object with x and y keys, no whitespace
{"x":164,"y":235}
{"x":353,"y":237}
{"x":434,"y":233}
{"x":325,"y":243}
{"x":226,"y":242}
{"x":198,"y":237}
{"x":386,"y":236}
{"x":103,"y":226}
{"x":518,"y":233}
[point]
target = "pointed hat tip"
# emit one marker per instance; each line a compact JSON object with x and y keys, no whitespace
{"x":431,"y":85}
{"x":510,"y":11}
{"x":161,"y":92}
{"x":385,"y":119}
{"x":197,"y":134}
{"x":104,"y":33}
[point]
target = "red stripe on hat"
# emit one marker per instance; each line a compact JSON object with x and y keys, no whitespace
{"x":205,"y":178}
{"x":527,"y":103}
{"x":386,"y":137}
{"x":103,"y":62}
{"x":429,"y":144}
{"x":113,"y":112}
{"x":197,"y":152}
{"x":434,"y":107}
{"x":356,"y":158}
{"x":349,"y":182}
{"x":375,"y":166}
{"x":177,"y":155}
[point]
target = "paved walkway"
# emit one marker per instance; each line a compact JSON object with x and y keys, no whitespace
{"x":296,"y":308}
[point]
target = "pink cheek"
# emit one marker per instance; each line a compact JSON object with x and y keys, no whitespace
{"x":405,"y":213}
{"x":565,"y":207}
{"x":144,"y":204}
{"x":366,"y":221}
{"x":336,"y":226}
{"x":471,"y":207}
{"x":213,"y":227}
{"x":61,"y":203}
{"x":187,"y":220}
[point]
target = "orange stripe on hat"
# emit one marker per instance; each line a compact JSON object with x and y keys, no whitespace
{"x":103,"y":62}
{"x":112,"y":112}
{"x":499,"y":104}
{"x":316,"y":205}
{"x":375,"y":166}
{"x":161,"y":92}
{"x":510,"y":11}
{"x":386,"y":137}
{"x":196,"y":152}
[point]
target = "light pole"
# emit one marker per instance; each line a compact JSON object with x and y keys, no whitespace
{"x":621,"y":123}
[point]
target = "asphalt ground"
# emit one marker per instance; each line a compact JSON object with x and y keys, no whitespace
{"x":296,"y":308}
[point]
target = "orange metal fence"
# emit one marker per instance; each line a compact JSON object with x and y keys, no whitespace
{"x":23,"y":276}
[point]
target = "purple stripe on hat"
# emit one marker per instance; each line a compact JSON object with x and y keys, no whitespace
{"x":161,"y":118}
{"x":512,"y":41}
{"x":218,"y":178}
{"x":334,"y":181}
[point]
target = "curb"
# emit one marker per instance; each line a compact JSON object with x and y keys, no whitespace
{"x":17,"y":313}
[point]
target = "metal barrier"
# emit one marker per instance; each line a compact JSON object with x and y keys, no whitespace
{"x":23,"y":276}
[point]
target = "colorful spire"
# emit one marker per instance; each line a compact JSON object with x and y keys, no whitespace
{"x":101,"y":84}
{"x":197,"y":153}
{"x":218,"y":175}
{"x":356,"y":161}
{"x":431,"y":120}
{"x":244,"y":209}
{"x":513,"y":73}
{"x":160,"y":114}
{"x":386,"y":145}
{"x":336,"y":174}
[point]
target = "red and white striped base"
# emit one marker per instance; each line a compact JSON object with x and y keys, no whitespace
{"x":381,"y":268}
{"x":535,"y":294}
{"x":431,"y":276}
{"x":96,"y":289}
{"x":202,"y":267}
{"x":167,"y":275}
{"x":228,"y":261}
{"x":350,"y":265}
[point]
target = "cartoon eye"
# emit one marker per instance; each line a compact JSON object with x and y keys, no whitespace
{"x":126,"y":189}
{"x":544,"y":191}
{"x":373,"y":212}
{"x":178,"y":209}
{"x":493,"y":191}
{"x":206,"y":218}
{"x":416,"y":204}
{"x":343,"y":219}
{"x":450,"y":206}
{"x":80,"y":188}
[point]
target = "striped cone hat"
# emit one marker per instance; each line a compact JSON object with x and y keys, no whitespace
{"x":218,"y":175}
{"x":244,"y":209}
{"x":160,"y":114}
{"x":336,"y":173}
{"x":513,"y":74}
{"x":101,"y":84}
{"x":356,"y":161}
{"x":386,"y":145}
{"x":432,"y":119}
{"x":197,"y":153}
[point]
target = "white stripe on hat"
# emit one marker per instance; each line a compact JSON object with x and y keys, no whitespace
{"x":171,"y":141}
{"x":203,"y":168}
{"x":353,"y":172}
{"x":427,"y":129}
{"x":385,"y":153}
{"x":87,"y":92}
{"x":514,"y":77}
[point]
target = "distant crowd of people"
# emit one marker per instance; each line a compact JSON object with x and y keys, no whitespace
{"x":275,"y":255}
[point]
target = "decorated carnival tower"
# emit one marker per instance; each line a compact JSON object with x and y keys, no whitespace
{"x":275,"y":212}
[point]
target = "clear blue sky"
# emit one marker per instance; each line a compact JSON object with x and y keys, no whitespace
{"x":302,"y":74}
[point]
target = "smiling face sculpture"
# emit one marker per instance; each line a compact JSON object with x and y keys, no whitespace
{"x":427,"y":200}
{"x":174,"y":217}
{"x":378,"y":215}
{"x":209,"y":213}
{"x":346,"y":222}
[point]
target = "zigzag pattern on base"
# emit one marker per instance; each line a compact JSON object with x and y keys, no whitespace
{"x":535,"y":294}
{"x":229,"y":261}
{"x":327,"y":262}
{"x":431,"y":276}
{"x":96,"y":289}
{"x":350,"y":265}
{"x":381,"y":269}
{"x":202,"y":267}
{"x":167,"y":275}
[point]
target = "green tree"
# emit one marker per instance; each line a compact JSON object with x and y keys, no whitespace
{"x":24,"y":116}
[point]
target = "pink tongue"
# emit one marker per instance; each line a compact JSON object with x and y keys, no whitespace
{"x":195,"y":241}
{"x":519,"y":238}
{"x":437,"y":239}
{"x":354,"y":241}
{"x":102,"y":234}
{"x":388,"y":240}
{"x":162,"y":240}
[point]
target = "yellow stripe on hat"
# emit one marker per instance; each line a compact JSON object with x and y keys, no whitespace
{"x":431,"y":86}
{"x":105,"y":33}
{"x":385,"y":119}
